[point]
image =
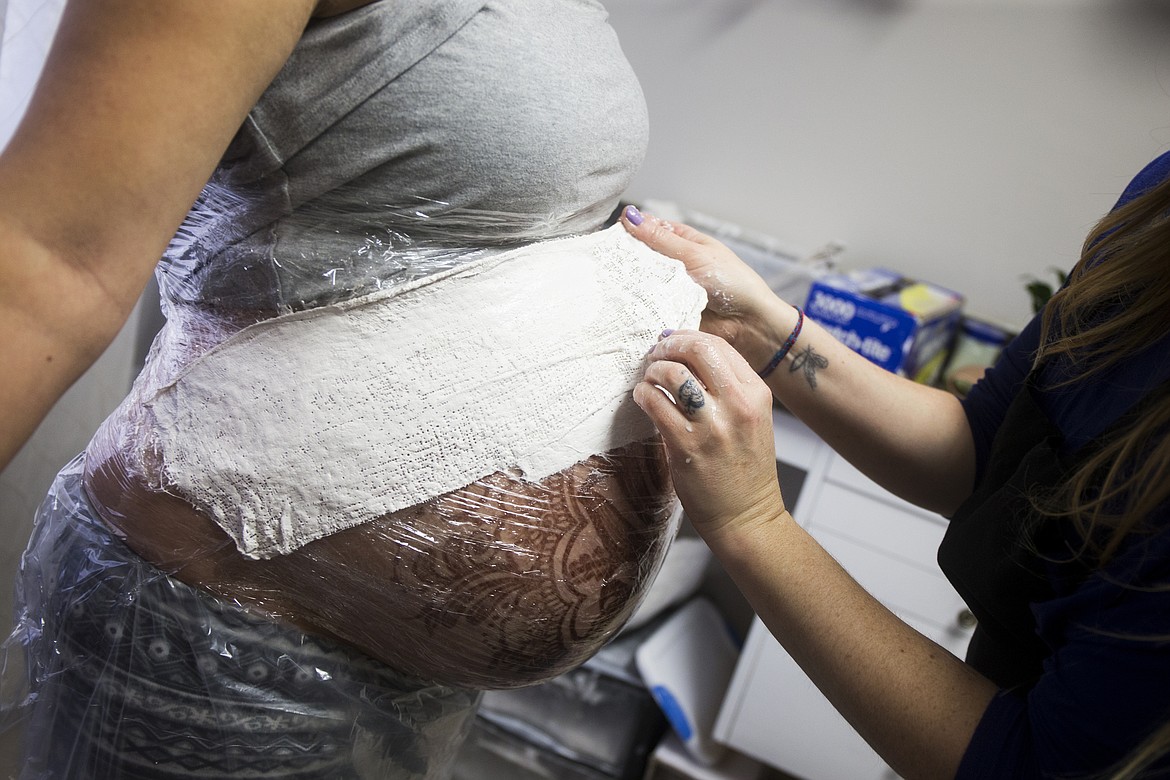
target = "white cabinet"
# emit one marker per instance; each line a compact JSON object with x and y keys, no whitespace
{"x":772,"y":712}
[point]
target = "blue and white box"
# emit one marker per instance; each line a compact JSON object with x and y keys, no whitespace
{"x":903,"y":325}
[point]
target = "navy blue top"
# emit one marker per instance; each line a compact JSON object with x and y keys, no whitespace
{"x":1106,"y":683}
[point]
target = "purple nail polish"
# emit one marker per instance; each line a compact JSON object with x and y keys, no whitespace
{"x":633,"y":215}
{"x":666,"y":333}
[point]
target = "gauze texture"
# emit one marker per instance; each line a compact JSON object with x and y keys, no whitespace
{"x":522,"y":362}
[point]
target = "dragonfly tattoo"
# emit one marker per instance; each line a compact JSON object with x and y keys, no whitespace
{"x":808,"y":362}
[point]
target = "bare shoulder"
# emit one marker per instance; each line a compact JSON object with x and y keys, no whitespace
{"x":336,"y":7}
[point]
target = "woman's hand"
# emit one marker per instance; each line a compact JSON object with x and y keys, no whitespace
{"x":717,"y":427}
{"x":741,"y":308}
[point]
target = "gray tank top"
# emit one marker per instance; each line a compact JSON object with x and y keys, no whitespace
{"x":404,"y":135}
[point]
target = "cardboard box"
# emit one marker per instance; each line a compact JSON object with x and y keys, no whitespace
{"x":903,"y":325}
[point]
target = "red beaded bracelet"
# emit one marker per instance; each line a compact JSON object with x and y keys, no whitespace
{"x":788,"y":342}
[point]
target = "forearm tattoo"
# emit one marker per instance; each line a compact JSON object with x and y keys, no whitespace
{"x":809,"y":363}
{"x":690,"y":397}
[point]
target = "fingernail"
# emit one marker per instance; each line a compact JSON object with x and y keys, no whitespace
{"x":665,"y":333}
{"x":633,"y":215}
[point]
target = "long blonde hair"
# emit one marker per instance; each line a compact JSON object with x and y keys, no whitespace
{"x":1154,"y":747}
{"x":1116,"y":304}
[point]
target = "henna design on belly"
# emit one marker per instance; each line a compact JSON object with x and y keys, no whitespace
{"x":500,"y":584}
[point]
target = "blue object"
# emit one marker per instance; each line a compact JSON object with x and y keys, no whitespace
{"x":673,"y":711}
{"x":863,"y":311}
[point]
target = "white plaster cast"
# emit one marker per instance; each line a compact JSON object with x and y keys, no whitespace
{"x":313,"y":422}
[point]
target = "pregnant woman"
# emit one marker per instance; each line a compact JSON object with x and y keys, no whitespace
{"x":383,"y":453}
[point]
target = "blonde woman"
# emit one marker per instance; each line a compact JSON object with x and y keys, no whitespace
{"x":1055,"y":472}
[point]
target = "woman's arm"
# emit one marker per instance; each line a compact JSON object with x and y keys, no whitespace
{"x":137,"y":102}
{"x":915,"y":703}
{"x":912,"y":439}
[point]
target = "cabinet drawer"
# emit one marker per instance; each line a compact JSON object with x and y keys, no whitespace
{"x":901,"y":531}
{"x":842,"y":472}
{"x":772,"y":711}
{"x":889,"y":551}
{"x":909,"y":592}
{"x":777,"y":715}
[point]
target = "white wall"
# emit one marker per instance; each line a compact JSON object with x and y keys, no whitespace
{"x":966,"y":142}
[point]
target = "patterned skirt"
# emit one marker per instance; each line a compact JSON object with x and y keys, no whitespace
{"x":123,"y":672}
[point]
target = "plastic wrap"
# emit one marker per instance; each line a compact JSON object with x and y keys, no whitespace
{"x":504,"y":582}
{"x":129,"y":673}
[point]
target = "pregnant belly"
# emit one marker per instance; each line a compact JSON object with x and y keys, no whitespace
{"x":450,"y":475}
{"x":499,"y":584}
